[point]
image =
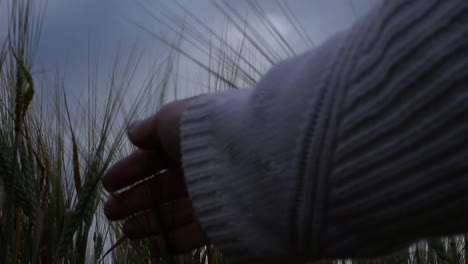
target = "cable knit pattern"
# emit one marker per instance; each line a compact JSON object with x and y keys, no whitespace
{"x":354,"y":149}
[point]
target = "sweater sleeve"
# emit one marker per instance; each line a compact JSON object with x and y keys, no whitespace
{"x":353,"y":149}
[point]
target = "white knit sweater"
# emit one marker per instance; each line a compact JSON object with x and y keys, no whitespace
{"x":352,"y":149}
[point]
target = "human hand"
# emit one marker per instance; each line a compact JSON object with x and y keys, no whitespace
{"x":143,"y":200}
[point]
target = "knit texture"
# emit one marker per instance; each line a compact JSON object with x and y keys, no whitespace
{"x":400,"y":169}
{"x":353,"y":149}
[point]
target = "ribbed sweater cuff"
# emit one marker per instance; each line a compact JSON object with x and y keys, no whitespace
{"x":200,"y":166}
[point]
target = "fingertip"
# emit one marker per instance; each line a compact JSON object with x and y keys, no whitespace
{"x":108,"y":210}
{"x":143,"y":133}
{"x":109,"y":181}
{"x":139,"y":165}
{"x":106,"y":182}
{"x":132,"y":131}
{"x":116,"y":210}
{"x":140,"y":226}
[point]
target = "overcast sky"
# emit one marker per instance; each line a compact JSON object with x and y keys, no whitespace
{"x":70,"y":25}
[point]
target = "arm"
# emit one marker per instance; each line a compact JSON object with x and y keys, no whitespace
{"x":355,"y":148}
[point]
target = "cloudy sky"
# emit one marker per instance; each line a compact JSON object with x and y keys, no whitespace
{"x":75,"y":28}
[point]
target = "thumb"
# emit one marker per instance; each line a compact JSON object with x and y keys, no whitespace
{"x":160,"y":131}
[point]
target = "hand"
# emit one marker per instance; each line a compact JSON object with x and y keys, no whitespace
{"x":145,"y":198}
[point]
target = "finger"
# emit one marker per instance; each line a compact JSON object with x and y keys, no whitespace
{"x":183,"y":239}
{"x":174,"y":214}
{"x":144,"y":133}
{"x":138,"y":166}
{"x":160,"y":130}
{"x":170,"y":186}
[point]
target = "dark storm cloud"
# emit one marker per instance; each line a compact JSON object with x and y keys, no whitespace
{"x":70,"y":25}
